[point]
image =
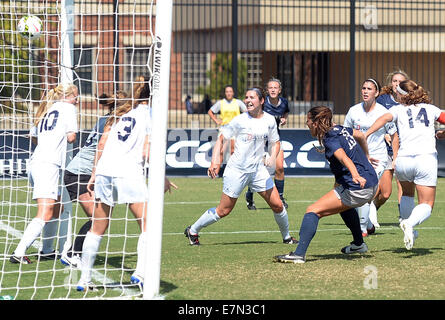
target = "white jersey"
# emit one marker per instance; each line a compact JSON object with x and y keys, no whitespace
{"x":251,"y":136}
{"x":123,"y":152}
{"x":415,"y":124}
{"x":51,"y":131}
{"x":357,"y":118}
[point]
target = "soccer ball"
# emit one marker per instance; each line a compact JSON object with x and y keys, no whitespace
{"x":30,"y":27}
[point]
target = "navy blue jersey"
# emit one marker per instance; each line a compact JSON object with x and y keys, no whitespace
{"x":341,"y":137}
{"x":276,"y":111}
{"x":387,"y":101}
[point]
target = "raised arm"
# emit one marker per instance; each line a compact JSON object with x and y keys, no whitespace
{"x":380,"y":122}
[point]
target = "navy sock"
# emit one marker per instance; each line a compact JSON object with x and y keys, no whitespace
{"x":352,"y":221}
{"x":249,"y":195}
{"x":280,"y":186}
{"x":307,"y":232}
{"x":78,"y":242}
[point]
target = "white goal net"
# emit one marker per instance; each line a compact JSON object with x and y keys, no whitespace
{"x":102,"y":46}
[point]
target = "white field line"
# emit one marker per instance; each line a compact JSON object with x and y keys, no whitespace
{"x":239,"y":199}
{"x":277,"y":231}
{"x":96,"y":275}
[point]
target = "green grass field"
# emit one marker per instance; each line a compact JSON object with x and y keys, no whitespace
{"x":235,"y":259}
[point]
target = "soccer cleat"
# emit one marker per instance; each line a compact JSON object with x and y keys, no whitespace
{"x":193,"y":239}
{"x":284,"y":202}
{"x":408,"y":235}
{"x":251,"y":205}
{"x":85,"y":286}
{"x":352,"y":248}
{"x":22,"y":260}
{"x":364,"y":234}
{"x":74,"y":261}
{"x":136,"y":279}
{"x":48,"y":256}
{"x":290,"y":240}
{"x":290,"y":258}
{"x":371,"y":230}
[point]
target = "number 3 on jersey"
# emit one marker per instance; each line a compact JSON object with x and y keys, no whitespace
{"x":422,"y":117}
{"x":126,"y":131}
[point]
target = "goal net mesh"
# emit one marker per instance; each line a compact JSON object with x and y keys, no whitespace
{"x":109,"y":45}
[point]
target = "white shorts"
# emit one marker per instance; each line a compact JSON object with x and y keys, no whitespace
{"x":117,"y":190}
{"x":44,"y":178}
{"x":420,"y":169}
{"x":382,"y":167}
{"x":235,"y":181}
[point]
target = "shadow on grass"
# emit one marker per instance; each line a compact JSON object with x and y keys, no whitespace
{"x":338,"y":256}
{"x":415,"y":252}
{"x":241,"y":242}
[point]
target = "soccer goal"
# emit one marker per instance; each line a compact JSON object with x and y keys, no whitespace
{"x":101,"y":47}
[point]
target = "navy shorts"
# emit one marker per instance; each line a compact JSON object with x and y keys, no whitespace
{"x":76,"y":184}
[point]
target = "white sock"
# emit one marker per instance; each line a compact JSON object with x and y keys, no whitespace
{"x":209,"y":217}
{"x":49,"y":233}
{"x":31,"y":233}
{"x":363,"y":214}
{"x":89,"y":252}
{"x":141,"y":249}
{"x":406,"y":206}
{"x":65,"y":228}
{"x":283,"y":223}
{"x":419,"y":214}
{"x":373,"y":214}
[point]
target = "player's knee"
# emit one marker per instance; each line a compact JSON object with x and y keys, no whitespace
{"x":222,"y":212}
{"x":277,"y":207}
{"x":385,"y":194}
{"x":279,"y":172}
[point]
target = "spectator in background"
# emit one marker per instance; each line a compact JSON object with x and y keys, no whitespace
{"x":189,"y":105}
{"x":206,"y":103}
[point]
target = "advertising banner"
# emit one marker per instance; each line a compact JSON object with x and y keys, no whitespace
{"x":189,"y":152}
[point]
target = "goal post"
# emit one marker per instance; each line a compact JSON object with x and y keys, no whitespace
{"x":156,"y":176}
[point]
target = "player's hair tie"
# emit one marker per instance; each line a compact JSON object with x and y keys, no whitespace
{"x":401,"y":91}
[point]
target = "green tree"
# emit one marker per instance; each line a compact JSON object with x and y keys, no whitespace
{"x":220,"y":75}
{"x":17,"y":76}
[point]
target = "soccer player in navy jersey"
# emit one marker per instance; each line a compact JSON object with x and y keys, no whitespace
{"x":356,"y":182}
{"x":278,"y":107}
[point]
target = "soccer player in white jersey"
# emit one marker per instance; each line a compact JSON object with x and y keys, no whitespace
{"x":246,"y":166}
{"x":416,"y":160}
{"x":78,"y":173}
{"x":118,"y":177}
{"x":361,"y":117}
{"x":54,"y":126}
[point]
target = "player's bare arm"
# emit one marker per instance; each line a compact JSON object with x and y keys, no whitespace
{"x":347,"y":162}
{"x":100,"y":148}
{"x":380,"y":122}
{"x":217,"y":156}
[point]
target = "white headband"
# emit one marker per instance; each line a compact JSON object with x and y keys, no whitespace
{"x":401,"y":91}
{"x":375,"y":82}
